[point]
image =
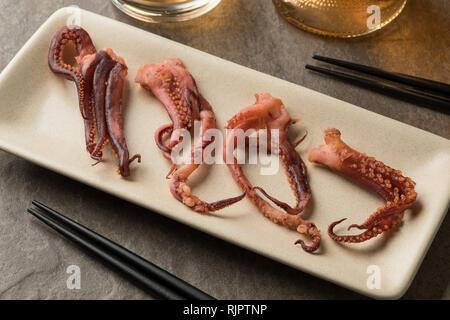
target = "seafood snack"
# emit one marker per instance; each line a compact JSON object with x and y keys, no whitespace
{"x":99,"y":80}
{"x":175,"y":88}
{"x":397,"y":190}
{"x":270,"y":113}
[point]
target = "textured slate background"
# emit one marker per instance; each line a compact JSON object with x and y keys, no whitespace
{"x":33,"y":259}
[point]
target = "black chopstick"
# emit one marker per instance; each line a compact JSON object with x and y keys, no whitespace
{"x":398,"y":77}
{"x":157,"y":280}
{"x":147,"y":283}
{"x":161,"y":275}
{"x":428,"y":99}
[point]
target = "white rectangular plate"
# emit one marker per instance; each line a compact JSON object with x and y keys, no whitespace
{"x":40,"y":121}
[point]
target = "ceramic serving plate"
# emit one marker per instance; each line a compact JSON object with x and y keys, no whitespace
{"x":40,"y":121}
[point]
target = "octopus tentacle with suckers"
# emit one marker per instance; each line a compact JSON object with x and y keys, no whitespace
{"x":175,"y":88}
{"x":99,"y":80}
{"x":397,"y":190}
{"x":270,"y":113}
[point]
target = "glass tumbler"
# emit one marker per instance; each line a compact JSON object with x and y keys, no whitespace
{"x":340,"y":18}
{"x":165,"y":10}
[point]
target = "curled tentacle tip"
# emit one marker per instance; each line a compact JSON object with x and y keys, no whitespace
{"x":339,"y":221}
{"x":238,"y":198}
{"x":224,"y":203}
{"x":136,"y":157}
{"x":97,"y":156}
{"x":172,"y":170}
{"x":331,"y":226}
{"x":301,"y":139}
{"x":281,"y":204}
{"x":97,"y":162}
{"x":305,"y":247}
{"x":354,"y":226}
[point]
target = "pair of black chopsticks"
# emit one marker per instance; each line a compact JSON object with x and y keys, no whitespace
{"x":149,"y":276}
{"x":426,"y":92}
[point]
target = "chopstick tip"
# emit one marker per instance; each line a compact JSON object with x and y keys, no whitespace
{"x":32,"y":211}
{"x":310,"y":67}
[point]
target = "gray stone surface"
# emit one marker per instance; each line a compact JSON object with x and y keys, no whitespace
{"x":33,"y":259}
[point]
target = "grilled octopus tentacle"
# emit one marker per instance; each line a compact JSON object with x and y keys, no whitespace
{"x":179,"y":186}
{"x":114,"y":118}
{"x":90,"y":64}
{"x":159,"y":135}
{"x":84,"y":47}
{"x":397,"y":190}
{"x":99,"y":82}
{"x":175,"y":88}
{"x":270,"y":113}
